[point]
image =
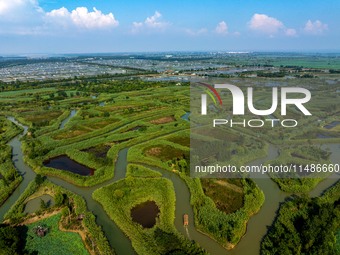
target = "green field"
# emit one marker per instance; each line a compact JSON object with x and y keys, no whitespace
{"x":56,"y":242}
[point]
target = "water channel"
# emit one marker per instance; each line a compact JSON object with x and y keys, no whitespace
{"x":256,"y":228}
{"x":63,"y":123}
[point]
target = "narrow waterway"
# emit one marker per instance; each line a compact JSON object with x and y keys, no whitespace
{"x":116,"y":237}
{"x":256,"y":228}
{"x":63,"y":123}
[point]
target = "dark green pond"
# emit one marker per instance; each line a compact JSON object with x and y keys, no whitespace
{"x":332,"y":124}
{"x":145,"y":214}
{"x":65,"y":163}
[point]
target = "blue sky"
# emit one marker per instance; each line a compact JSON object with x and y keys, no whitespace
{"x":83,"y":26}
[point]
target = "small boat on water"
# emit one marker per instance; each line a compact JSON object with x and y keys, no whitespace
{"x":185,"y":220}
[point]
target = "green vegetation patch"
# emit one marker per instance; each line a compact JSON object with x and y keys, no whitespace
{"x":9,"y":177}
{"x":99,"y":151}
{"x":182,"y":140}
{"x":40,"y":118}
{"x":141,"y":171}
{"x":227,"y":194}
{"x":338,"y":242}
{"x":165,"y":152}
{"x":71,"y":206}
{"x":306,"y":226}
{"x":302,"y":157}
{"x":227,"y":229}
{"x":55,"y":241}
{"x":75,"y":131}
{"x":163,"y":120}
{"x":119,"y":198}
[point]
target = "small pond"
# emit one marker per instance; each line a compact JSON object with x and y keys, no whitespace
{"x":34,"y":204}
{"x":332,"y":125}
{"x":323,"y":136}
{"x":186,"y":116}
{"x":63,"y":162}
{"x":145,"y":214}
{"x":331,"y":82}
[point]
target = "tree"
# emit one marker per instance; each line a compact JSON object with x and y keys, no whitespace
{"x":59,"y":199}
{"x":9,"y":240}
{"x":43,"y":204}
{"x":39,"y":179}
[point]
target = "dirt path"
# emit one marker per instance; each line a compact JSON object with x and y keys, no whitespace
{"x":39,"y":217}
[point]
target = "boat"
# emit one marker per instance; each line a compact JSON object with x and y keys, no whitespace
{"x":185,"y":220}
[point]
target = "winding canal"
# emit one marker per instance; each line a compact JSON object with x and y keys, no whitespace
{"x":256,"y":228}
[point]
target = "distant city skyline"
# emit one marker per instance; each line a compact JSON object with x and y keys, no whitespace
{"x":99,"y":26}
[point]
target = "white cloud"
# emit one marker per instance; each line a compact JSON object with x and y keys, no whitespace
{"x":265,"y":24}
{"x":222,"y":28}
{"x":82,"y":18}
{"x":27,"y":17}
{"x":290,"y":32}
{"x":201,"y":31}
{"x":151,"y":23}
{"x":137,"y":25}
{"x":270,"y":26}
{"x":315,"y":28}
{"x":10,"y":7}
{"x":20,"y":17}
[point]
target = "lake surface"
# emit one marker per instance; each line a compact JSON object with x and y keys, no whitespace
{"x":145,"y":214}
{"x":63,"y":162}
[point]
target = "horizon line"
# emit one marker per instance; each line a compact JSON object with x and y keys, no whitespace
{"x":4,"y":55}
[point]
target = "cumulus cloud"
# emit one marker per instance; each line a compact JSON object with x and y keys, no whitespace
{"x":290,"y":32}
{"x":12,"y":7}
{"x":82,"y":18}
{"x":270,"y":26}
{"x":315,"y":28}
{"x":27,"y":17}
{"x":192,"y":32}
{"x":153,"y":22}
{"x":222,"y":28}
{"x":20,"y":16}
{"x":265,"y":24}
